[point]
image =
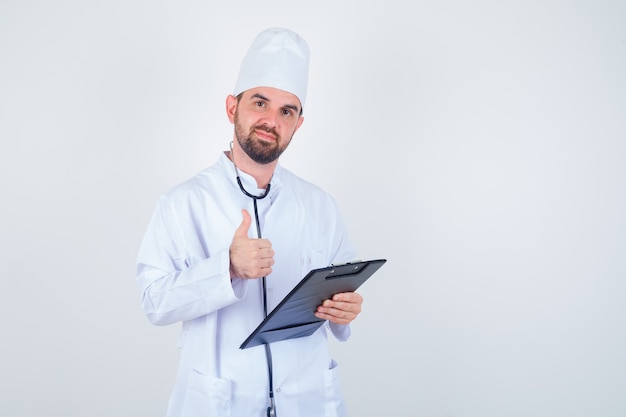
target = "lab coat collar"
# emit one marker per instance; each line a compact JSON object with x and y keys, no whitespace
{"x":247,"y":180}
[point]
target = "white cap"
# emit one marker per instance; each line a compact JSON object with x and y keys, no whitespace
{"x":277,"y":58}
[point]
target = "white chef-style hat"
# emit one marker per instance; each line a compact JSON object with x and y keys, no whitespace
{"x":277,"y":58}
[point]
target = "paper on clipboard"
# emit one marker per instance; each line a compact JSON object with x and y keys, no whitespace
{"x":294,"y":316}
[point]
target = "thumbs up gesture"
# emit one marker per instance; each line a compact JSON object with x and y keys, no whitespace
{"x":249,"y":258}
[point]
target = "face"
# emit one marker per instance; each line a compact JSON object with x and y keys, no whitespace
{"x":265,"y":120}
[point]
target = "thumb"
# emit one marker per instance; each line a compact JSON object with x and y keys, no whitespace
{"x":242,"y":230}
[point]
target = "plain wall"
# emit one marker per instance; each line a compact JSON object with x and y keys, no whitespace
{"x":479,"y":146}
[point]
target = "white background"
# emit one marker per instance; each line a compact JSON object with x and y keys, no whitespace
{"x":479,"y":146}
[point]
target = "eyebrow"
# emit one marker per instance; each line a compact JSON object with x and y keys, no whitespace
{"x":289,"y":106}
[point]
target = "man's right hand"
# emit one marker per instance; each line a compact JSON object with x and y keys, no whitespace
{"x":249,"y":258}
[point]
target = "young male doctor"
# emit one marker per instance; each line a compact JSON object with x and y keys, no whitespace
{"x":202,"y":261}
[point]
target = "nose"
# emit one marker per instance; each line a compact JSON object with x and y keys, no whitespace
{"x":270,"y":119}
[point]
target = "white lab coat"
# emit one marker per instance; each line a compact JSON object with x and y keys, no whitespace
{"x":183,"y":274}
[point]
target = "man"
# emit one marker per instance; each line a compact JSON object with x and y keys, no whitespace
{"x":203,"y":263}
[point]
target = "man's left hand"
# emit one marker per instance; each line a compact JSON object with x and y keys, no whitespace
{"x":341,"y":309}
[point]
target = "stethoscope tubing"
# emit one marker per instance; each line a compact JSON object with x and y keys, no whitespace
{"x":271,"y":410}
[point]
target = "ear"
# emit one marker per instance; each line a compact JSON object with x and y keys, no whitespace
{"x":231,"y":107}
{"x":299,"y":123}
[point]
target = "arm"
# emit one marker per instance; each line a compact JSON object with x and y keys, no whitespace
{"x":175,"y":287}
{"x":343,"y":308}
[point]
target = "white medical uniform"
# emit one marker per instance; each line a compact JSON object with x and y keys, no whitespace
{"x":183,"y":274}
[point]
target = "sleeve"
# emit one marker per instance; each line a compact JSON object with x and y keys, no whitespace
{"x":343,"y":252}
{"x":172,"y":288}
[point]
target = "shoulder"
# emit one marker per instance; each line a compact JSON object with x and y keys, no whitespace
{"x":207,"y":181}
{"x":306,"y":190}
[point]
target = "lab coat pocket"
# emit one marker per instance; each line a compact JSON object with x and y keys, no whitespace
{"x":206,"y":395}
{"x":335,"y":406}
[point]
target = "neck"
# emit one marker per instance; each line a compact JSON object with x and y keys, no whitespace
{"x":262,"y":173}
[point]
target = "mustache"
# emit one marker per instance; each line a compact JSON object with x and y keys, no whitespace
{"x":265,"y":128}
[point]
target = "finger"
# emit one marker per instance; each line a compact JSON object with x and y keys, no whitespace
{"x":334,"y":315}
{"x":242,"y":230}
{"x":350,"y":297}
{"x":265,"y":251}
{"x":338,"y":308}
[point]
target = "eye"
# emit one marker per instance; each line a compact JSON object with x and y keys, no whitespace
{"x":259,"y":103}
{"x":287,"y":112}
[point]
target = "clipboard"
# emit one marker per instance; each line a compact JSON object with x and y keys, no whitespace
{"x":294,"y":316}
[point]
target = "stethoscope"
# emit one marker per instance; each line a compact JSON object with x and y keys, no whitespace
{"x":271,"y":410}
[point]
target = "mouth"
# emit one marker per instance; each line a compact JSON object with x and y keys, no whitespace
{"x":265,"y":135}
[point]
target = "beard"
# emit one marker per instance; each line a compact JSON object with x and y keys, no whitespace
{"x":259,"y":151}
